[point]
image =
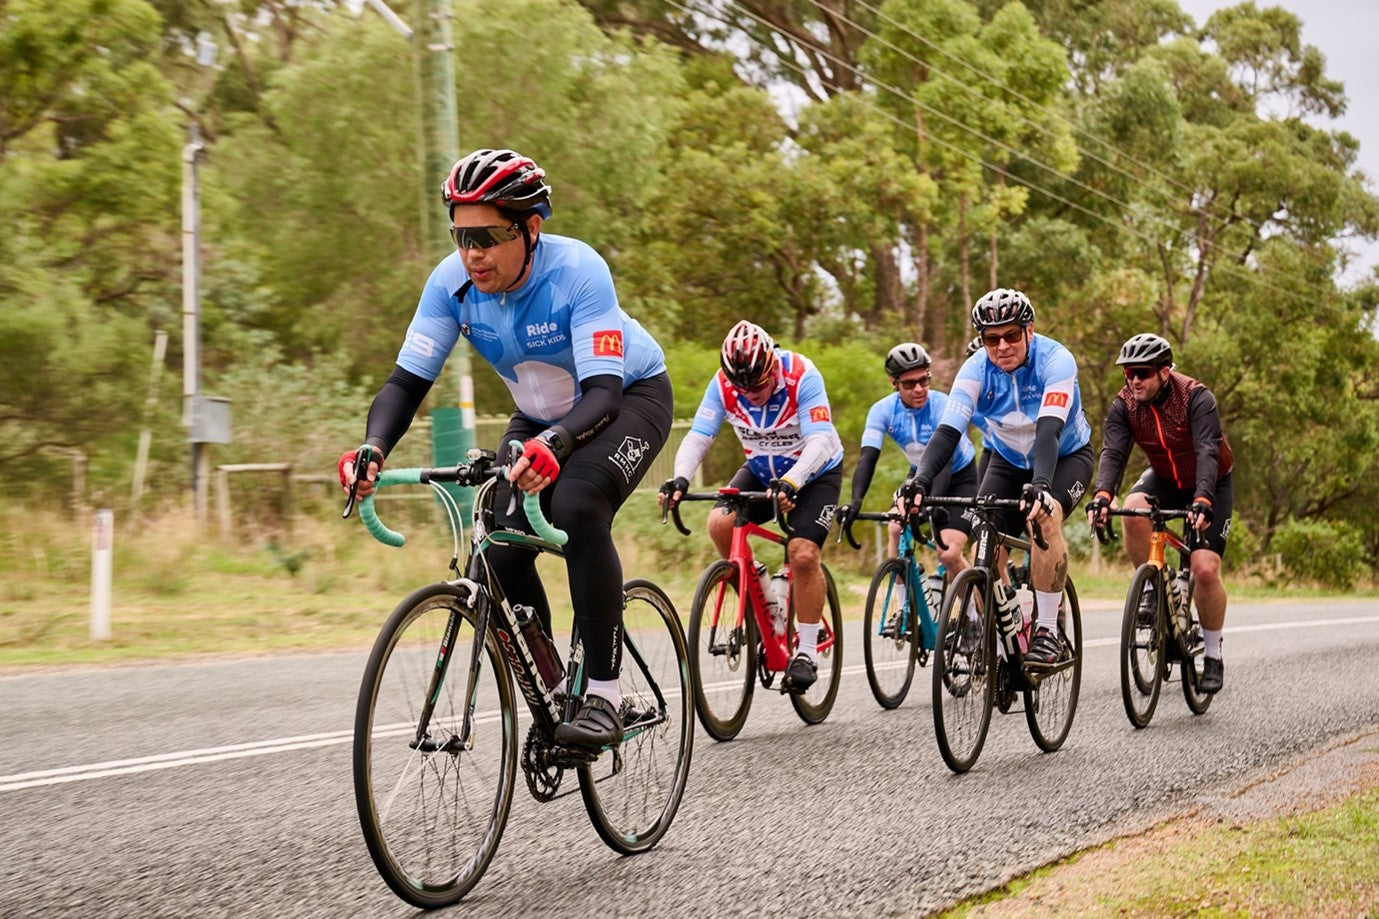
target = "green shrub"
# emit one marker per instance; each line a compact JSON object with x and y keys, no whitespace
{"x":1329,"y":553}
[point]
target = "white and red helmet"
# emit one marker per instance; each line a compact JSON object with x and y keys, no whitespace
{"x":748,"y":356}
{"x":501,"y":178}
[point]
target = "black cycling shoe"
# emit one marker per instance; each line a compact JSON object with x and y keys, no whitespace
{"x":1212,"y":672}
{"x":1046,"y":649}
{"x":800,"y":674}
{"x":597,"y":724}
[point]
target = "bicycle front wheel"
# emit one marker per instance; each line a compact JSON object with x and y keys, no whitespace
{"x":1051,"y":704}
{"x":814,"y":704}
{"x":890,"y":633}
{"x":964,"y":670}
{"x":433,"y":804}
{"x":633,"y":792}
{"x":723,"y":653}
{"x":1142,"y":646}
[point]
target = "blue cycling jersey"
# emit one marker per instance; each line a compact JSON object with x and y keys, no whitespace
{"x":911,"y":428}
{"x":773,"y":434}
{"x":563,"y":325}
{"x":1011,"y":404}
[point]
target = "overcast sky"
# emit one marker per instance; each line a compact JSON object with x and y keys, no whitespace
{"x":1345,"y":32}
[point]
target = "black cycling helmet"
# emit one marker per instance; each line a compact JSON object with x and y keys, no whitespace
{"x":1146,"y":348}
{"x":501,"y":178}
{"x":905,"y":356}
{"x":748,"y":356}
{"x":1002,"y":307}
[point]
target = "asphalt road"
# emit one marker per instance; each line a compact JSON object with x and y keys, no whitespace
{"x":222,"y":788}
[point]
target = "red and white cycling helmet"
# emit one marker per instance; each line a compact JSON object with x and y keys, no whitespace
{"x":748,"y":356}
{"x":501,"y":178}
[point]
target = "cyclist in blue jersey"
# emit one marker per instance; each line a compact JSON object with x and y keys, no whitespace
{"x":1025,"y":388}
{"x":593,"y":401}
{"x":909,"y":416}
{"x":775,"y":401}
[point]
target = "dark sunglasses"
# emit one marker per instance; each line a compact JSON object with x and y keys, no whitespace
{"x":483,"y":237}
{"x":1140,"y":373}
{"x":995,"y":338}
{"x":768,"y":381}
{"x":917,"y":381}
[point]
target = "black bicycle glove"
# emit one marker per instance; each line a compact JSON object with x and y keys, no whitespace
{"x":1200,"y":510}
{"x":671,"y":486}
{"x":847,"y":513}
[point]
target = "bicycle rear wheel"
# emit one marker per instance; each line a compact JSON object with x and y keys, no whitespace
{"x":633,"y":791}
{"x":814,"y":704}
{"x":890,"y":633}
{"x":964,"y":672}
{"x":1190,"y":666}
{"x":723,"y":654}
{"x":1142,"y":646}
{"x":1051,"y":704}
{"x":433,"y":809}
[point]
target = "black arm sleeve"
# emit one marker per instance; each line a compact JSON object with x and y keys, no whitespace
{"x":861,"y":476}
{"x":394,"y":408}
{"x":1115,"y":448}
{"x":937,"y":454}
{"x":1047,"y":430}
{"x":600,"y":402}
{"x":1205,"y":421}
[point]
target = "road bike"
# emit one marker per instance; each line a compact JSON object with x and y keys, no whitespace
{"x":435,"y":735}
{"x":1159,"y":629}
{"x":899,"y":626}
{"x":735,"y":641}
{"x":983,"y":634}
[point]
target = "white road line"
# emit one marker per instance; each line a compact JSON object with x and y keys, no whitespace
{"x":158,"y":761}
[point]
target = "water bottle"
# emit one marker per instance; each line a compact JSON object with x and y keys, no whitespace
{"x":780,"y":596}
{"x":540,"y":645}
{"x":1178,"y":587}
{"x":1024,"y":615}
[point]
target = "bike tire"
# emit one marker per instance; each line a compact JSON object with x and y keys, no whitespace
{"x":890,"y":633}
{"x":963,"y":683}
{"x":722,"y":655}
{"x":1190,"y":668}
{"x":432,"y":821}
{"x":633,"y":792}
{"x":1051,"y":705}
{"x":814,"y":704}
{"x":1142,"y":648}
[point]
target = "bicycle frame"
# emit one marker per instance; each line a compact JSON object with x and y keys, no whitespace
{"x":776,"y":648}
{"x":910,"y":541}
{"x":482,"y":591}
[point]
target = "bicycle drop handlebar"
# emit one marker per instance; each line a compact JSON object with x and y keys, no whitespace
{"x":926,"y":513}
{"x":991,"y":502}
{"x":479,"y":469}
{"x":734,"y":496}
{"x":1106,"y":535}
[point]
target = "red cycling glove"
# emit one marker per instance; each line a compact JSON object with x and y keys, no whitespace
{"x":348,"y":458}
{"x":541,"y":457}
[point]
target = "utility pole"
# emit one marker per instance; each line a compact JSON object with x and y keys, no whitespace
{"x":452,"y":428}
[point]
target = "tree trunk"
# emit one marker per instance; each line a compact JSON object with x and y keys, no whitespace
{"x":889,"y":297}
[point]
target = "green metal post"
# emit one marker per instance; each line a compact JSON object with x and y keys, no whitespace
{"x":452,"y":429}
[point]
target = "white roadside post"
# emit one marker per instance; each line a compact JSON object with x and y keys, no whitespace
{"x":102,"y":548}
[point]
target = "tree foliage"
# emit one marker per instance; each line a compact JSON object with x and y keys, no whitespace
{"x":847,"y":174}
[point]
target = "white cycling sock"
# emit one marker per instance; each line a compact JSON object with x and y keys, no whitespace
{"x":809,"y":639}
{"x":608,"y":689}
{"x":1211,"y":643}
{"x":1046,"y":602}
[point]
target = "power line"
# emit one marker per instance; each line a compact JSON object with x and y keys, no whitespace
{"x":1051,"y":195}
